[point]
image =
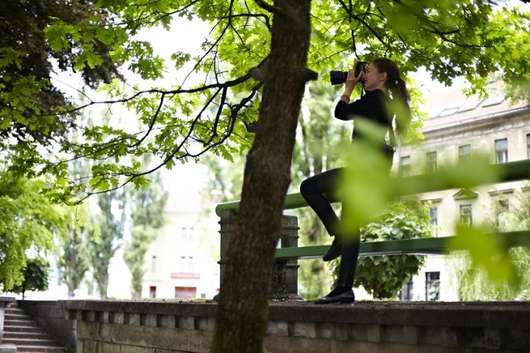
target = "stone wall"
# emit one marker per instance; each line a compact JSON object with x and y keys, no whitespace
{"x":375,"y":327}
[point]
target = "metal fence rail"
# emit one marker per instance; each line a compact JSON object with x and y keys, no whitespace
{"x":436,"y":181}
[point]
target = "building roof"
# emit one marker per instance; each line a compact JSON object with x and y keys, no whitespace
{"x":457,"y":109}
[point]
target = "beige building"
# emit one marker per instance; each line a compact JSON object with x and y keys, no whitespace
{"x":494,"y":126}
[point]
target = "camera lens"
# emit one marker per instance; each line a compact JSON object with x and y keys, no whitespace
{"x":337,"y":77}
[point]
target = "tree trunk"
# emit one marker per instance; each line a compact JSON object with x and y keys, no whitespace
{"x":242,"y":312}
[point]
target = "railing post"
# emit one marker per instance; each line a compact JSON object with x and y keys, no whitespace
{"x":285,"y":272}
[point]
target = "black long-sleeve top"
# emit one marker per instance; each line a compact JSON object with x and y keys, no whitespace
{"x":373,"y":105}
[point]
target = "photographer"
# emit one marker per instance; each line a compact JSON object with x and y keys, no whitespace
{"x":384,"y":91}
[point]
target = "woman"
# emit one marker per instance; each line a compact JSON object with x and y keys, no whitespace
{"x":383,"y":88}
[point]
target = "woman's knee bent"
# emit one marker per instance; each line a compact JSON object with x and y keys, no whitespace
{"x":307,"y":186}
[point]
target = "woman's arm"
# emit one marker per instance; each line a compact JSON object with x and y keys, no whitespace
{"x":343,"y":110}
{"x":363,"y":106}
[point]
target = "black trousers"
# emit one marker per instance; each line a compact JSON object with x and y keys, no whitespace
{"x":313,"y":189}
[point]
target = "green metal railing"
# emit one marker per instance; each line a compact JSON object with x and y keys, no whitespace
{"x":512,"y":171}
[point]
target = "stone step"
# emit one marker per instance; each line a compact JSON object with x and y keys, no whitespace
{"x":17,"y":328}
{"x":40,"y":342}
{"x":38,"y":349}
{"x":14,"y":311}
{"x":22,"y":331}
{"x":25,"y":334}
{"x":16,"y":316}
{"x":20,"y":322}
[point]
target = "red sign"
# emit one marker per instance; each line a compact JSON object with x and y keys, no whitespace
{"x":185,"y":275}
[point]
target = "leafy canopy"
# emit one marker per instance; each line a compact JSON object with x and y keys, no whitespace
{"x":180,"y":122}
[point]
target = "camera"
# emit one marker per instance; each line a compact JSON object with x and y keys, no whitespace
{"x":338,"y":77}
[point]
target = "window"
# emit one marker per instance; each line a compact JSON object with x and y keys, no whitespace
{"x":466,"y":216}
{"x":187,"y":234}
{"x":406,"y":292}
{"x":153,"y":263}
{"x":191,"y":264}
{"x":528,"y":146}
{"x":464,"y":152}
{"x":404,"y":166}
{"x":185,"y":292}
{"x":501,"y":151}
{"x":152,"y":292}
{"x":501,"y":208}
{"x":433,"y":214}
{"x":431,"y":164}
{"x":185,"y":264}
{"x":181,"y":264}
{"x":432,"y":286}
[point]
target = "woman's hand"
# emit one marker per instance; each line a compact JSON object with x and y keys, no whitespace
{"x":351,"y":81}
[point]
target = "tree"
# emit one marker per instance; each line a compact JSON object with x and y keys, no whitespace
{"x":35,"y":277}
{"x":107,"y":238}
{"x":73,"y":261}
{"x":85,"y":37}
{"x":29,"y":221}
{"x":147,"y":217}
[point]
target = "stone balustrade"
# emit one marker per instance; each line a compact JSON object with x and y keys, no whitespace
{"x":376,"y":327}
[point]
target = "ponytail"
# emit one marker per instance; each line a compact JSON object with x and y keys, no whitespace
{"x":401,"y":98}
{"x":398,"y":90}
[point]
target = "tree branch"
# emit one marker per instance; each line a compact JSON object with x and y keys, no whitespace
{"x":234,"y":112}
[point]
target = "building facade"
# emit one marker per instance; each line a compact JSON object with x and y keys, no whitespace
{"x":494,"y":127}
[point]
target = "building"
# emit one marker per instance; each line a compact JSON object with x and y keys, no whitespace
{"x":492,"y":126}
{"x":176,"y":266}
{"x":181,"y":263}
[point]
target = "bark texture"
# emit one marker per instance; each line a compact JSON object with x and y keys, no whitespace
{"x":242,"y":312}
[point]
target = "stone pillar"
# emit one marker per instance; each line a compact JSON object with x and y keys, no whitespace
{"x":285,"y":272}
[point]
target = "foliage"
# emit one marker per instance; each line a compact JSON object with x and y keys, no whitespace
{"x":29,"y":221}
{"x":73,"y":260}
{"x":147,"y":217}
{"x":180,"y":123}
{"x":383,"y":276}
{"x":35,"y":277}
{"x":38,"y":36}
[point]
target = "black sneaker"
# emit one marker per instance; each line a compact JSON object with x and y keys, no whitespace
{"x":338,"y":295}
{"x":333,"y":251}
